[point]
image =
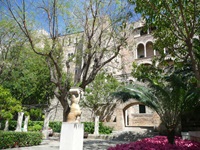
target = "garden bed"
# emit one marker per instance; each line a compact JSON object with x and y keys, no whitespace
{"x":158,"y":143}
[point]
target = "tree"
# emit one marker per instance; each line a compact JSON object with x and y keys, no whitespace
{"x":104,"y":35}
{"x":169,"y":97}
{"x":177,"y":28}
{"x":10,"y":45}
{"x":98,"y":96}
{"x":9,"y":105}
{"x":29,"y":80}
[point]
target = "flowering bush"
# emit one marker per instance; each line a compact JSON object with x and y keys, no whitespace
{"x":158,"y":143}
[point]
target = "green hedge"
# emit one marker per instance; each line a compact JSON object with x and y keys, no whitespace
{"x":89,"y":127}
{"x":104,"y":129}
{"x":19,"y":139}
{"x":12,"y":125}
{"x":56,"y":126}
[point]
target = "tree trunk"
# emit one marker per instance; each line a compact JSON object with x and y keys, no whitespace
{"x":171,"y":136}
{"x":19,"y":121}
{"x":6,"y":125}
{"x":96,"y":126}
{"x":45,"y":129}
{"x":26,"y":123}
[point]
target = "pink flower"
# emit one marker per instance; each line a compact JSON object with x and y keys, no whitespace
{"x":158,"y":143}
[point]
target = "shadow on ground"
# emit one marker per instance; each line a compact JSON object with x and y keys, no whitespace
{"x":131,"y":136}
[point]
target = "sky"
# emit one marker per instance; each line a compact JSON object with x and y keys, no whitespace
{"x":67,"y":11}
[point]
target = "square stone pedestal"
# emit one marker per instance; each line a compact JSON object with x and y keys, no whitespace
{"x":71,"y":136}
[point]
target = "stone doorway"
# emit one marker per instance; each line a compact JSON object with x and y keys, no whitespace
{"x":133,"y":115}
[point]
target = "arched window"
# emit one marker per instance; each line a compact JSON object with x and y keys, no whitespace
{"x":140,"y":51}
{"x":149,"y":49}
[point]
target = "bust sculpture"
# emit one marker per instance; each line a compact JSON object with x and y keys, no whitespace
{"x":75,"y":111}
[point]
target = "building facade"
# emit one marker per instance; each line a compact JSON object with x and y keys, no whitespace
{"x":139,"y":49}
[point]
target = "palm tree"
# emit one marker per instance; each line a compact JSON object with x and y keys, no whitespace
{"x":169,"y":98}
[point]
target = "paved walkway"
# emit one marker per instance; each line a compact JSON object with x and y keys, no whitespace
{"x":91,"y":144}
{"x":96,"y":144}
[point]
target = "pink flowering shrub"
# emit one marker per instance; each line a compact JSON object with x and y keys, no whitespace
{"x":158,"y":143}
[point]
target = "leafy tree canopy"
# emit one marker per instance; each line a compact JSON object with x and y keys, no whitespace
{"x":29,"y":81}
{"x":8,"y":104}
{"x":98,"y":96}
{"x":177,"y":29}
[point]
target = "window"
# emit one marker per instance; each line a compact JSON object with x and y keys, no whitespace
{"x":143,"y":32}
{"x":140,"y":51}
{"x":142,"y":109}
{"x":70,"y":55}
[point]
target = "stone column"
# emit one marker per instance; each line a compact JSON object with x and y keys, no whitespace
{"x":71,"y":137}
{"x":96,"y":126}
{"x":19,"y":121}
{"x":154,"y":52}
{"x":72,"y":131}
{"x":145,"y":50}
{"x":120,"y":119}
{"x":26,"y":123}
{"x":136,"y":53}
{"x":126,"y":118}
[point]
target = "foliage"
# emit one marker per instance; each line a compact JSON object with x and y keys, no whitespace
{"x":21,"y":139}
{"x":55,"y":125}
{"x":89,"y":128}
{"x":35,"y":127}
{"x":11,"y":42}
{"x":98,"y":96}
{"x":104,"y":129}
{"x":29,"y":81}
{"x":36,"y":114}
{"x":177,"y":29}
{"x":104,"y":26}
{"x":168,"y":95}
{"x":8,"y":104}
{"x":158,"y":143}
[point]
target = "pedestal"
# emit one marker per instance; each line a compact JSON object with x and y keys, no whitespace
{"x":71,"y":136}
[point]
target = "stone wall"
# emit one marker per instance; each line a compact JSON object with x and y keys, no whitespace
{"x":194,"y":135}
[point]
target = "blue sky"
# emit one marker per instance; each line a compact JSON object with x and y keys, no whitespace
{"x":36,"y":13}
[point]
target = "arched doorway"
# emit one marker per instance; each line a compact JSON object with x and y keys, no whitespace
{"x":133,"y":114}
{"x":137,"y":114}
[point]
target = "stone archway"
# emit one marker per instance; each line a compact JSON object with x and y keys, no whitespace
{"x":136,"y":119}
{"x":149,"y":49}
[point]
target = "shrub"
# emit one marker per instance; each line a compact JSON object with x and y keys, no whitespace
{"x":33,"y":123}
{"x":89,"y":127}
{"x":21,"y":139}
{"x":12,"y":125}
{"x":56,"y":126}
{"x":36,"y":127}
{"x":104,"y":129}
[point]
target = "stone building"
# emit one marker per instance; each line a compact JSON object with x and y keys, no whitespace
{"x":132,"y":114}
